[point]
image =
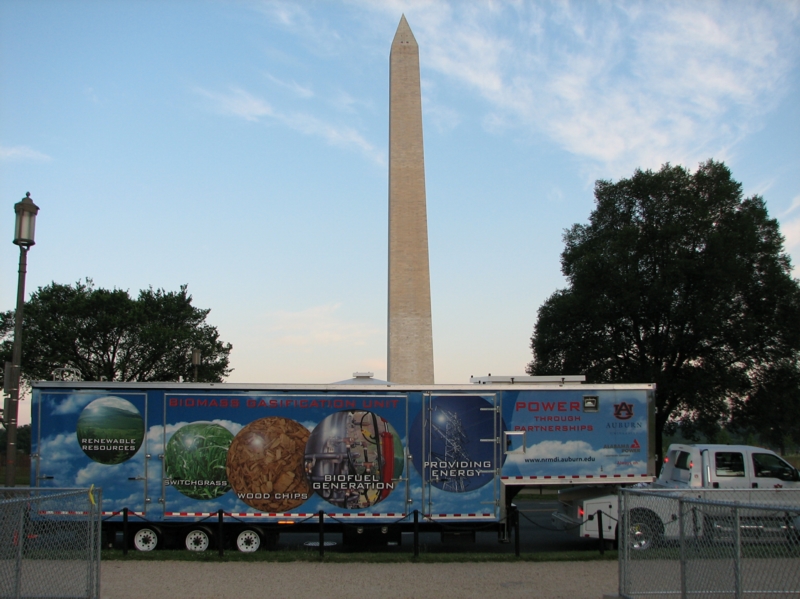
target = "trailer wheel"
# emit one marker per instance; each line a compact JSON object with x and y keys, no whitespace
{"x":248,"y":540}
{"x":645,"y":530}
{"x":198,"y":539}
{"x":145,"y":539}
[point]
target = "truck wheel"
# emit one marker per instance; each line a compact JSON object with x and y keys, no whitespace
{"x":145,"y":539}
{"x":198,"y":539}
{"x":248,"y":540}
{"x":645,"y":530}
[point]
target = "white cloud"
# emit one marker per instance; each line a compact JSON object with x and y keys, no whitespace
{"x":238,"y":103}
{"x":22,"y":153}
{"x":294,"y":17}
{"x":293,"y":86}
{"x":621,"y":84}
{"x":795,"y":205}
{"x":241,"y":103}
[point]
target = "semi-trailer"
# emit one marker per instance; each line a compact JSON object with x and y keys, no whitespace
{"x":365,"y":457}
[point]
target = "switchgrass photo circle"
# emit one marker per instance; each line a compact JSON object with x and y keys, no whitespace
{"x":195,"y":460}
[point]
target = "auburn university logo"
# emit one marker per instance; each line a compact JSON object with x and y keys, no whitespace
{"x":623,"y":411}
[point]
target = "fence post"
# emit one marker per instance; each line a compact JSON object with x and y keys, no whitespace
{"x":737,"y":555}
{"x":321,"y":534}
{"x":416,"y":533}
{"x":683,"y":547}
{"x":622,"y":541}
{"x":124,"y":531}
{"x":221,"y":533}
{"x":20,"y":542}
{"x":98,"y":520}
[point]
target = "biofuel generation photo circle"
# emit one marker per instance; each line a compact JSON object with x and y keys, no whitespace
{"x":353,"y":459}
{"x":110,"y":430}
{"x":195,"y":460}
{"x":265,"y":464}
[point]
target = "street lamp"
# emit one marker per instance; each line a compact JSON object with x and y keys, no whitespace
{"x":24,"y":228}
{"x":196,"y":357}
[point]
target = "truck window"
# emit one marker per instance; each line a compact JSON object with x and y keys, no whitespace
{"x":729,"y":463}
{"x":682,"y":461}
{"x":767,"y":465}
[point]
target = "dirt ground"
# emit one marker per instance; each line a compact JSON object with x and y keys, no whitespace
{"x":178,"y":580}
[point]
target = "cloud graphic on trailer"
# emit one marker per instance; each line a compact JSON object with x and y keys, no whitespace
{"x":61,"y":458}
{"x":60,"y":455}
{"x":73,"y":404}
{"x":567,"y":449}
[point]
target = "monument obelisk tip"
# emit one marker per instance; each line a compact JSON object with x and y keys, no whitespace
{"x":404,"y":35}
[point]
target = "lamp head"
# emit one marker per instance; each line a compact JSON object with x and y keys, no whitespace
{"x":25,"y":224}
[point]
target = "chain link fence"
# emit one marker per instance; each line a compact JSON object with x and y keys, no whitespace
{"x":710,"y":543}
{"x":50,"y":543}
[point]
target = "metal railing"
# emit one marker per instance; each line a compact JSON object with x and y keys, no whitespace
{"x":709,"y":543}
{"x":50,"y":543}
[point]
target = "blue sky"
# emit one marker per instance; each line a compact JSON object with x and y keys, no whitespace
{"x":241,"y":148}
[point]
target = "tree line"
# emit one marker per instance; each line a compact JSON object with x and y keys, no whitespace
{"x":107,"y":335}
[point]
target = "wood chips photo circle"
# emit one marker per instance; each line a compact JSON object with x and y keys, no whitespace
{"x":265,"y":464}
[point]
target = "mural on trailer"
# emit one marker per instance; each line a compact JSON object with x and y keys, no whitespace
{"x":341,"y":453}
{"x":582,"y":432}
{"x":238,"y":452}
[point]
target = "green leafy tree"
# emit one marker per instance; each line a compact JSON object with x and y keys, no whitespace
{"x":677,"y":280}
{"x":108,"y":335}
{"x":23,"y":439}
{"x":771,"y":410}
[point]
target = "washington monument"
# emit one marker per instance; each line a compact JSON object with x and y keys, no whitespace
{"x":410,"y":347}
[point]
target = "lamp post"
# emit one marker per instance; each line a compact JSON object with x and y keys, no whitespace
{"x":196,"y":356}
{"x":24,"y":227}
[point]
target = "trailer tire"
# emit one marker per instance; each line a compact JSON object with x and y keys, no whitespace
{"x":645,"y":531}
{"x":198,"y":539}
{"x":146,"y":539}
{"x":249,"y":540}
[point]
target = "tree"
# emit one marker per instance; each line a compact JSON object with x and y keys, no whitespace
{"x":771,"y":410}
{"x":677,"y":280}
{"x":23,"y":439}
{"x":107,"y":335}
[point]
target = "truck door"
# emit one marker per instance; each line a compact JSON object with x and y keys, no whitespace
{"x":460,"y":449}
{"x":727,"y":470}
{"x":771,"y":472}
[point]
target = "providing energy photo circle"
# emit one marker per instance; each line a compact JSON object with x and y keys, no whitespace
{"x":456,"y":459}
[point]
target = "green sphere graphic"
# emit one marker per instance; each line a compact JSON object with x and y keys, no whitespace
{"x":110,"y":430}
{"x":195,"y":460}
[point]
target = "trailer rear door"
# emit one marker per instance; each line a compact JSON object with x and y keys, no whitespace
{"x":461,"y":445}
{"x":93,"y":437}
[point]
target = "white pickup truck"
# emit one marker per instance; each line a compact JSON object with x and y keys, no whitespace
{"x":752,"y":471}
